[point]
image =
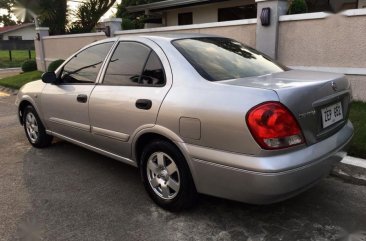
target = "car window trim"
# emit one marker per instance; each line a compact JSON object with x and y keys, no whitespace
{"x":101,"y":81}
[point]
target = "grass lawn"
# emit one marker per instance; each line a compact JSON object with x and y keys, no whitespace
{"x":17,"y":81}
{"x":357,"y":113}
{"x":19,"y":56}
{"x":358,"y":118}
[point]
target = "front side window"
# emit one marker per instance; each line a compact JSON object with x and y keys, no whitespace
{"x":218,"y":59}
{"x":84,"y":67}
{"x":134,"y":64}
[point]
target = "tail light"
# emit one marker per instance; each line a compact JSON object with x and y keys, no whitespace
{"x":273,"y":126}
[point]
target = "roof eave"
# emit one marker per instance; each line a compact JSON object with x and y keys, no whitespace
{"x":162,"y":5}
{"x":20,"y":27}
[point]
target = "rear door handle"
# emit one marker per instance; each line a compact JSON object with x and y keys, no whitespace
{"x":82,"y":98}
{"x":143,"y":104}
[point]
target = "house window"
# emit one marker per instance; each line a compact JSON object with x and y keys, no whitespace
{"x":15,"y":37}
{"x":185,"y":18}
{"x":334,"y":6}
{"x":236,"y":13}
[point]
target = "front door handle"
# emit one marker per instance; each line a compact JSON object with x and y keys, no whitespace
{"x":82,"y":98}
{"x":143,"y":104}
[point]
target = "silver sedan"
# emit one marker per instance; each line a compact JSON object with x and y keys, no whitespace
{"x":196,"y":114}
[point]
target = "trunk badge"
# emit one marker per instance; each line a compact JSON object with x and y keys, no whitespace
{"x":334,"y":86}
{"x":307,"y":114}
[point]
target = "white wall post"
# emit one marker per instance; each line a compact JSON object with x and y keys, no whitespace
{"x":114,"y":24}
{"x":39,"y":46}
{"x":267,"y":36}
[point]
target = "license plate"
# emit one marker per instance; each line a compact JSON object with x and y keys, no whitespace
{"x":332,"y":114}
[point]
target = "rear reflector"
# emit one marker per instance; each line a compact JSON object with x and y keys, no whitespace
{"x":273,"y":126}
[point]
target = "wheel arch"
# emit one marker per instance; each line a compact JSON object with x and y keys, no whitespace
{"x":23,"y":104}
{"x":157,"y":133}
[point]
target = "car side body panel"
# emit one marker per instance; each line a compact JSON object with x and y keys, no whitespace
{"x":113,"y":114}
{"x":221,"y":109}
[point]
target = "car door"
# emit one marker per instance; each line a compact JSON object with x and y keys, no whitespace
{"x":65,"y":103}
{"x":136,"y":80}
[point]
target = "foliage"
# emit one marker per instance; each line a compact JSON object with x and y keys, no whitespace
{"x":88,"y":15}
{"x":54,"y":65}
{"x":19,"y":80}
{"x":51,"y":13}
{"x":298,"y":6}
{"x":358,"y":116}
{"x":5,"y":19}
{"x":29,"y":65}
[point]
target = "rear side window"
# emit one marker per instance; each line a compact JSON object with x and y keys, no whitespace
{"x":134,"y":64}
{"x":219,"y":59}
{"x":153,"y":73}
{"x":84,"y":67}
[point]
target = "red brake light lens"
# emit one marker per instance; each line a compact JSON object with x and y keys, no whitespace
{"x":273,"y":126}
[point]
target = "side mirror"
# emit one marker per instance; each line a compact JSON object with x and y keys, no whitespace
{"x":49,"y":77}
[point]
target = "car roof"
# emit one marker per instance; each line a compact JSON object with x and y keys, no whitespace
{"x":168,"y":37}
{"x":175,"y":36}
{"x":161,"y":36}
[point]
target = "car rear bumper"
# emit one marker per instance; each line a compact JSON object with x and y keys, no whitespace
{"x":262,"y":183}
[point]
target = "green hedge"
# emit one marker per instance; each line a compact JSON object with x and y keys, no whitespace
{"x":54,"y":65}
{"x":29,"y":65}
{"x":297,"y":7}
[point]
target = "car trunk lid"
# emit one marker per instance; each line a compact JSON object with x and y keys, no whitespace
{"x":308,"y":95}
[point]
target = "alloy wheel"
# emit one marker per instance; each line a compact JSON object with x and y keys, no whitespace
{"x":163,"y":175}
{"x":32,"y":127}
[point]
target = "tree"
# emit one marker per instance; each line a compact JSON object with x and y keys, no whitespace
{"x":6,"y":18}
{"x":88,"y":15}
{"x":51,"y":13}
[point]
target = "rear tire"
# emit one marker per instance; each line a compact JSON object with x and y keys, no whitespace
{"x":34,"y":129}
{"x":166,"y":176}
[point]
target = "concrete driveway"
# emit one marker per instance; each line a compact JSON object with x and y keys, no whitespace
{"x":9,"y":72}
{"x":68,"y":193}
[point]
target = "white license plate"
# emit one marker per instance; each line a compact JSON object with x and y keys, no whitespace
{"x":332,"y":114}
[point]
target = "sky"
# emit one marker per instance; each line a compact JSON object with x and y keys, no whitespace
{"x":73,"y":5}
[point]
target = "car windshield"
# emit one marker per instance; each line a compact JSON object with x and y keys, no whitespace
{"x":219,"y":59}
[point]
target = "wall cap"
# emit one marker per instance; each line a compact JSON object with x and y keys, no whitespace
{"x":354,"y":12}
{"x":42,"y":29}
{"x":192,"y":26}
{"x":304,"y":16}
{"x":257,"y":1}
{"x":75,"y":35}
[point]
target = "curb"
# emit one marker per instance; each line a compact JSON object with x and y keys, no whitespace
{"x":11,"y":69}
{"x":351,"y":169}
{"x":9,"y":90}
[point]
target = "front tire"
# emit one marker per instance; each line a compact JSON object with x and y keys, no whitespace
{"x":166,"y":176}
{"x":34,"y":129}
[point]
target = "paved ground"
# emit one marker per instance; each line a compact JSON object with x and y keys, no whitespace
{"x":9,"y":72}
{"x":68,"y":193}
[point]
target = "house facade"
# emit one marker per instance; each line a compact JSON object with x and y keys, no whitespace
{"x":186,"y":12}
{"x":18,"y":32}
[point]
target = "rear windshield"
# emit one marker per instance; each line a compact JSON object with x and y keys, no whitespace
{"x":222,"y":59}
